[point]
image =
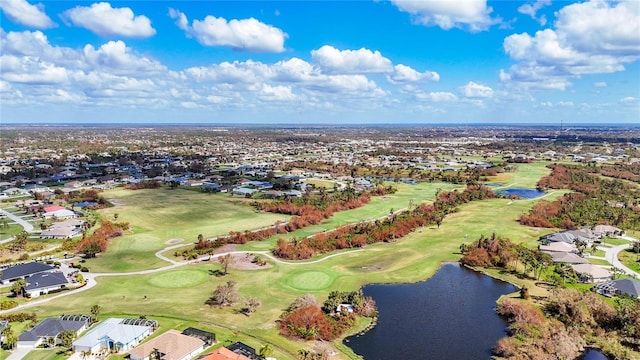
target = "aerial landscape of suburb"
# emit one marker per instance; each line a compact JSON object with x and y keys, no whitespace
{"x":320,"y":180}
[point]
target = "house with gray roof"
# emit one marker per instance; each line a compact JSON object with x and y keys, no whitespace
{"x":629,"y":287}
{"x":48,"y":330}
{"x":43,"y":283}
{"x":567,"y":258}
{"x":23,"y":271}
{"x":115,"y":335}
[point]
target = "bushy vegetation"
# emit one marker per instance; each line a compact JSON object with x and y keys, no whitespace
{"x":596,"y":200}
{"x":308,"y":210}
{"x":305,"y":319}
{"x":390,"y":228}
{"x":143,"y":185}
{"x":99,"y":240}
{"x":570,"y":320}
{"x":495,"y":251}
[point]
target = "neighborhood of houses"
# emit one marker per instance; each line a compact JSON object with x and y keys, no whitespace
{"x":129,"y":336}
{"x":572,"y":247}
{"x":33,"y":179}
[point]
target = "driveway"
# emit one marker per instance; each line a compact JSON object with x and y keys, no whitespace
{"x":27,"y":227}
{"x":19,"y":353}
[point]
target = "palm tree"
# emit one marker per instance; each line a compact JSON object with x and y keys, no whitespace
{"x":266,"y":351}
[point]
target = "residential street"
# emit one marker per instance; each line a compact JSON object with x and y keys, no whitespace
{"x":611,"y":255}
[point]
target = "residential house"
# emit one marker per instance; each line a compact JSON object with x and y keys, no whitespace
{"x":63,"y":230}
{"x":244,"y":350}
{"x":589,"y":273}
{"x":22,"y":271}
{"x":60,"y":214}
{"x":627,"y":287}
{"x":208,"y":337}
{"x":570,"y":236}
{"x":44,"y":283}
{"x":606,"y":230}
{"x":242,"y":191}
{"x":224,"y":354}
{"x":558,"y":246}
{"x":567,"y":258}
{"x":171,"y":345}
{"x":48,"y":330}
{"x":115,"y":334}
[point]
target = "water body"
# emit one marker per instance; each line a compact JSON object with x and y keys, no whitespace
{"x":523,"y":193}
{"x":450,"y":316}
{"x":593,"y":354}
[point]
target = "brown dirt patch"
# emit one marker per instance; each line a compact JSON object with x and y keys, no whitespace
{"x":240,"y":261}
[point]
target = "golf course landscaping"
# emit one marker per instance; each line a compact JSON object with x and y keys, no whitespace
{"x":177,"y":296}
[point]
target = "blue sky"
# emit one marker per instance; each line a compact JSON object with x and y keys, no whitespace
{"x":330,"y":62}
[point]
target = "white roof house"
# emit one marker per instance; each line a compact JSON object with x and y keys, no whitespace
{"x":60,"y":214}
{"x":590,"y":273}
{"x":115,"y":334}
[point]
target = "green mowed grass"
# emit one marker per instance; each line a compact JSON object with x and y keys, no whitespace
{"x":630,"y":260}
{"x":160,"y":215}
{"x":526,"y":175}
{"x":614,"y":242}
{"x":379,"y":206}
{"x":178,"y":296}
{"x":181,"y":293}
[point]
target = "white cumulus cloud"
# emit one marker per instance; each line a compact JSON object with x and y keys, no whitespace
{"x":469,"y":14}
{"x":440,"y":96}
{"x":245,"y":34}
{"x":102,"y":19}
{"x":532,"y":9}
{"x":332,"y":60}
{"x":276,"y":93}
{"x":475,"y":90}
{"x":20,"y":11}
{"x":403,"y":74}
{"x":593,"y":37}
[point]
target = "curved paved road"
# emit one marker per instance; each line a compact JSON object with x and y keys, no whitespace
{"x":611,"y":255}
{"x":91,"y":277}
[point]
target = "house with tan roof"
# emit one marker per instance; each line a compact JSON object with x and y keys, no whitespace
{"x":224,"y":354}
{"x":171,"y":345}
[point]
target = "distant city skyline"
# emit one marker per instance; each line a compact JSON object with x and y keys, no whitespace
{"x":320,"y":62}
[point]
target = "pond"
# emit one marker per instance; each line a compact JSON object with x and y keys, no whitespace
{"x":450,"y":316}
{"x":85,"y":204}
{"x":523,"y":193}
{"x":593,"y":354}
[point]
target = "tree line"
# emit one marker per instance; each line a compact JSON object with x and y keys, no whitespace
{"x":308,"y":210}
{"x":390,"y":228}
{"x":595,"y":200}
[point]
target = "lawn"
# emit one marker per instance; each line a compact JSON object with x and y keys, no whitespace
{"x":9,"y":230}
{"x":526,"y":175}
{"x":160,"y":215}
{"x":181,"y":293}
{"x":613,"y":241}
{"x":178,"y":296}
{"x":379,"y":206}
{"x":630,"y":260}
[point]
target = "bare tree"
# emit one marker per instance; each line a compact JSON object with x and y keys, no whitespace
{"x":224,"y":295}
{"x":225,"y":261}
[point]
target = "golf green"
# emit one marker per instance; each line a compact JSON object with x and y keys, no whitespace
{"x":178,"y":279}
{"x":309,"y":280}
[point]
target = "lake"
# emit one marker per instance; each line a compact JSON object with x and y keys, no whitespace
{"x":523,"y":193}
{"x":450,"y":316}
